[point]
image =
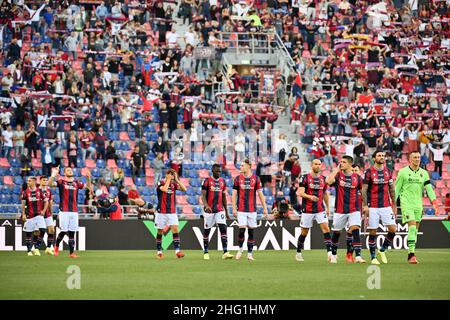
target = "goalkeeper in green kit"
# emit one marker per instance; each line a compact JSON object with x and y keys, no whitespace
{"x":409,"y":187}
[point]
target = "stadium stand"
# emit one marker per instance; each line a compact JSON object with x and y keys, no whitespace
{"x":93,"y":79}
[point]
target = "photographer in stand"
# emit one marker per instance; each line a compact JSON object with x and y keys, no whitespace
{"x":281,"y":208}
{"x":108,"y":207}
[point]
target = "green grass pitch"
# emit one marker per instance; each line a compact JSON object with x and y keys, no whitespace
{"x":273,"y":275}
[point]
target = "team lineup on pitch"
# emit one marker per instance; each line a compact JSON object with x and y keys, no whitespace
{"x":375,"y":195}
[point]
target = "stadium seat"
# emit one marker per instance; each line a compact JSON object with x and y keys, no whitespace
{"x":8,"y":180}
{"x":198,"y":210}
{"x":140,"y":181}
{"x":123,"y":136}
{"x":90,"y":164}
{"x":96,"y":173}
{"x":101,"y":164}
{"x":435,"y":176}
{"x":18,"y":180}
{"x":440,"y":184}
{"x":128,"y":182}
{"x":111,"y":164}
{"x":113,"y":190}
{"x":15,"y":163}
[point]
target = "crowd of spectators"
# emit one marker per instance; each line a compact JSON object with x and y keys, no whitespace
{"x":77,"y":75}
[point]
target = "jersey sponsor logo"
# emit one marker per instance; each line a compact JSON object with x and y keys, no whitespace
{"x":317,"y":186}
{"x":346,"y":184}
{"x":216,"y":189}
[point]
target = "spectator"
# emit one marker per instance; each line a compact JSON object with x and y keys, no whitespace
{"x":447,"y":203}
{"x":136,"y":162}
{"x":438,"y":157}
{"x":144,"y":150}
{"x":100,"y":144}
{"x":72,"y":151}
{"x":19,"y":140}
{"x":159,"y":147}
{"x":281,"y":146}
{"x":7,"y":137}
{"x":123,"y":196}
{"x":111,"y":152}
{"x":48,"y":158}
{"x":158,"y":166}
{"x":25,"y":163}
{"x":87,"y":150}
{"x":118,"y":177}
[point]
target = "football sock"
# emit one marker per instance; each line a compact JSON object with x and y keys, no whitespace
{"x":206,"y":240}
{"x":327,"y":241}
{"x":349,"y":240}
{"x":50,"y":238}
{"x":71,"y":241}
{"x":39,"y":238}
{"x":176,"y":242}
{"x":60,"y":237}
{"x":335,"y":242}
{"x":300,"y":243}
{"x":251,"y":240}
{"x":28,"y":242}
{"x":372,"y":245}
{"x":387,"y":241}
{"x":158,"y":242}
{"x":34,"y":239}
{"x":356,"y":242}
{"x":241,"y":237}
{"x":412,"y":236}
{"x":223,"y":237}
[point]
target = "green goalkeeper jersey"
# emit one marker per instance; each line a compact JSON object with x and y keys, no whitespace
{"x":409,"y":187}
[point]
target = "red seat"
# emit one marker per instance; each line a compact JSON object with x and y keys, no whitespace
{"x":4,"y":163}
{"x":203,"y":173}
{"x":149,"y":181}
{"x":112,"y":164}
{"x":8,"y":180}
{"x":124,"y":136}
{"x":182,"y":201}
{"x":36,"y":163}
{"x":90,"y":164}
{"x":128,"y":182}
{"x":440,"y":184}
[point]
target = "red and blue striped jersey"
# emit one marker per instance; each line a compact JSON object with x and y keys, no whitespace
{"x":348,"y":188}
{"x":68,"y":194}
{"x":378,"y":182}
{"x":167,"y":200}
{"x":214,"y":193}
{"x":34,"y":202}
{"x":246,"y":188}
{"x":314,"y":186}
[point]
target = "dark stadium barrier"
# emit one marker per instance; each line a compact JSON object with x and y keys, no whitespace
{"x":271,"y":235}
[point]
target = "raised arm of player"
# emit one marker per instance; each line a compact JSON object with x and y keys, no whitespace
{"x":332,"y":177}
{"x":166,"y":185}
{"x":55,"y":172}
{"x":180,"y":184}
